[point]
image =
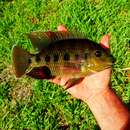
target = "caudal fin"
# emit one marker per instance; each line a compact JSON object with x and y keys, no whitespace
{"x":21,"y":60}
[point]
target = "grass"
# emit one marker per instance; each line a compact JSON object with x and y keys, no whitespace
{"x":34,"y":104}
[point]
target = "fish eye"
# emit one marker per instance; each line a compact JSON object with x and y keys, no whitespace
{"x":98,"y":53}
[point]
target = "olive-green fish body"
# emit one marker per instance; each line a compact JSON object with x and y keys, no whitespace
{"x":74,"y":57}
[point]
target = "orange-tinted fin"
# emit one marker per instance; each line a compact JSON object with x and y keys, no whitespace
{"x":21,"y":60}
{"x":105,"y":41}
{"x":42,"y":39}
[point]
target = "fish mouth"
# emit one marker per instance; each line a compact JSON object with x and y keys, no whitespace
{"x":108,"y":65}
{"x":100,"y":67}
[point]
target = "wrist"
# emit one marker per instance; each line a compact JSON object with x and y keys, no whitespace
{"x":93,"y":94}
{"x":108,"y":109}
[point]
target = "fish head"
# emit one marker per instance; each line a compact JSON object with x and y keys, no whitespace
{"x":98,"y":59}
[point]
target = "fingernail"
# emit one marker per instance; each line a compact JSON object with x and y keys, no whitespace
{"x":61,"y":28}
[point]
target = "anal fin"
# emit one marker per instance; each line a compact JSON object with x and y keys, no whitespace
{"x":40,"y":73}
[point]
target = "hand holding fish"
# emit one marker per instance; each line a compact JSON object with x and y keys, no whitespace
{"x":109,"y":111}
{"x":90,"y":85}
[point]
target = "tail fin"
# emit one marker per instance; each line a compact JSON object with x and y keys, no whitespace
{"x":21,"y":60}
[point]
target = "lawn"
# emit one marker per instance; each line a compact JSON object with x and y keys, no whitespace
{"x":34,"y":104}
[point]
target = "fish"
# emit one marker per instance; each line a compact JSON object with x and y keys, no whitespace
{"x":60,"y":54}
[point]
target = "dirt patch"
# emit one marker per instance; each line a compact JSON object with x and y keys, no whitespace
{"x":19,"y":88}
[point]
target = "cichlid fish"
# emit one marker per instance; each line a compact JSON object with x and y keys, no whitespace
{"x":60,"y":54}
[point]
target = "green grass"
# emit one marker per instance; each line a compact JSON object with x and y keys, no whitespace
{"x":34,"y":104}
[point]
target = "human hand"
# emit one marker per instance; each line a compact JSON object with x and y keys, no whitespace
{"x":90,"y":85}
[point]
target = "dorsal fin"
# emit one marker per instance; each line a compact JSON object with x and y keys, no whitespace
{"x":39,"y":40}
{"x":42,"y":39}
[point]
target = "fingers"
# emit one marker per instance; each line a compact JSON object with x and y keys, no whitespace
{"x":72,"y":82}
{"x":60,"y":80}
{"x":105,"y":41}
{"x":62,"y":28}
{"x":64,"y":80}
{"x":55,"y":80}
